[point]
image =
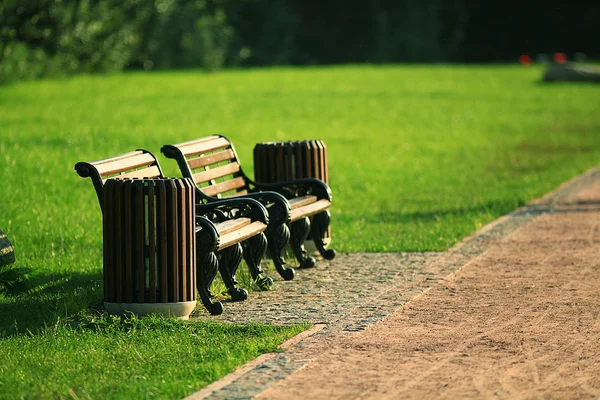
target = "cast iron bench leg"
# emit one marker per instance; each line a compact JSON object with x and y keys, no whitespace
{"x":254,"y":250}
{"x":206,"y":271}
{"x":319,"y":227}
{"x":278,"y":237}
{"x":299,"y":233}
{"x":229,"y":261}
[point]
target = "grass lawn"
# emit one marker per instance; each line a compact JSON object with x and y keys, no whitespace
{"x":419,"y":157}
{"x":104,"y":357}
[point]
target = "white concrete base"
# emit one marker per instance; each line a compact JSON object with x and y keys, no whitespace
{"x":180,"y":310}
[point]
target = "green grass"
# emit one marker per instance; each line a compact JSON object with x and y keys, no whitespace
{"x":419,"y":157}
{"x":148,"y":358}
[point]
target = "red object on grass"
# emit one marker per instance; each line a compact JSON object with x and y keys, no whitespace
{"x":525,"y":60}
{"x":560,"y":58}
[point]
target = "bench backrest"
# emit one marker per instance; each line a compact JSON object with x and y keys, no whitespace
{"x":136,"y":164}
{"x":212,"y":163}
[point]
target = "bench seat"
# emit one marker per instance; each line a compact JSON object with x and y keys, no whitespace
{"x":244,"y":229}
{"x":309,"y":209}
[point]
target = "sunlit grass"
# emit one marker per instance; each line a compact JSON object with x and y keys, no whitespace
{"x":104,"y":357}
{"x":419,"y":157}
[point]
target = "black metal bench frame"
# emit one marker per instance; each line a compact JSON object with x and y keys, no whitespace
{"x":226,"y":230}
{"x":290,"y":204}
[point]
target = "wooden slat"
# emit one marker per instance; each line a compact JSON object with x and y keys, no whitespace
{"x":288,"y":173}
{"x":173,"y":259}
{"x":308,"y":166}
{"x":210,"y":159}
{"x":231,"y":225}
{"x":182,"y":243}
{"x":151,"y":172}
{"x":140,"y":239}
{"x":279,"y":169}
{"x":106,"y":246}
{"x":241,"y":234}
{"x":239,"y":193}
{"x":124,"y":163}
{"x":310,"y":209}
{"x":198,"y":140}
{"x":191,"y":218}
{"x":301,"y":201}
{"x":120,"y":253}
{"x":116,"y":158}
{"x":152,"y":241}
{"x":129,"y":284}
{"x":222,"y":187}
{"x":262,"y":163}
{"x":316,"y":156}
{"x":215,"y":173}
{"x":322,"y":161}
{"x":259,"y":160}
{"x":162,"y":241}
{"x":110,"y":264}
{"x":299,"y":161}
{"x":326,"y":168}
{"x":268,"y":154}
{"x":271,"y":167}
{"x":194,"y":148}
{"x":320,"y":154}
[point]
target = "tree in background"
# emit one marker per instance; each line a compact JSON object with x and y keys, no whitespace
{"x":184,"y":34}
{"x":49,"y":37}
{"x":52,"y":37}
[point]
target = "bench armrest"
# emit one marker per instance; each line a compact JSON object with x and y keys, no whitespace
{"x":277,"y":206}
{"x":296,"y":188}
{"x":207,"y":236}
{"x":224,"y":209}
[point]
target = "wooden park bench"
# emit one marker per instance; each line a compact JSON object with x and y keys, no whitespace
{"x":214,"y":166}
{"x":226,"y":230}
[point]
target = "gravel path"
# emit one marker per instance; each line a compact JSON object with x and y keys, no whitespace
{"x":509,"y":312}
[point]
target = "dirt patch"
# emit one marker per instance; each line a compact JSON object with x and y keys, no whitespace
{"x":519,"y":321}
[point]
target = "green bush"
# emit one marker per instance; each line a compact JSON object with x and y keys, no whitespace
{"x":20,"y":61}
{"x":187,"y":35}
{"x":53,"y":37}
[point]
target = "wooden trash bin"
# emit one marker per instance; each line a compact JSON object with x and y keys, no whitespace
{"x":276,"y":162}
{"x":149,"y":246}
{"x":285,"y":161}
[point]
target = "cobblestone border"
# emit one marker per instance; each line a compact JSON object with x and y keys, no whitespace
{"x":357,"y":290}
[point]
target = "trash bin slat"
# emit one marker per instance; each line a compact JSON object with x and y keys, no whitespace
{"x":152,"y":242}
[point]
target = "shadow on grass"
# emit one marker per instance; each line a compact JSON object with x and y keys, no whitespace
{"x":50,"y":297}
{"x":492,"y":207}
{"x":497,"y":208}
